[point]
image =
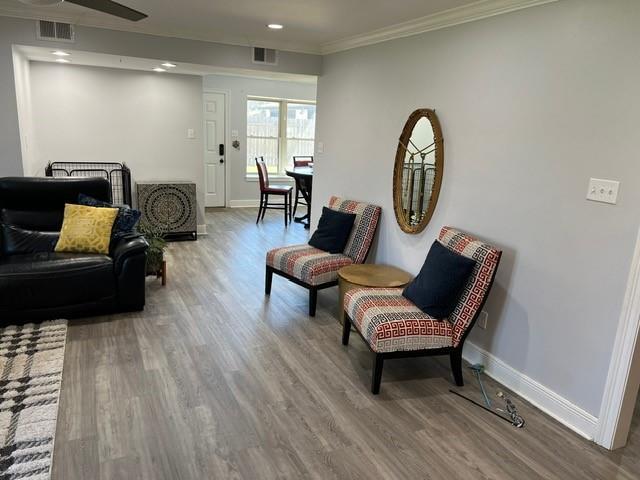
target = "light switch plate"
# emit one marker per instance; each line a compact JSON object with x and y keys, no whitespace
{"x":191,"y":133}
{"x":320,"y":147}
{"x":605,"y":191}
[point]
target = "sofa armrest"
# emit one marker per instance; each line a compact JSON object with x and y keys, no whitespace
{"x":127,"y":247}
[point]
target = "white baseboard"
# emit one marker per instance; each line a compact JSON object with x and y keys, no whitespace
{"x":202,"y":229}
{"x":244,"y":203}
{"x":554,"y":405}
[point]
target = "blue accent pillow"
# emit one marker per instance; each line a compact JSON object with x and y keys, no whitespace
{"x":437,"y":288}
{"x":126,"y":220}
{"x":333,"y":230}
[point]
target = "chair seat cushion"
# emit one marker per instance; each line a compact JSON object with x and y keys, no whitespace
{"x":49,"y":279}
{"x":307,"y":263}
{"x":390,"y":323}
{"x":278,"y":189}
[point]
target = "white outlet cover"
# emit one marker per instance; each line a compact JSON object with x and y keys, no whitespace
{"x":604,"y":191}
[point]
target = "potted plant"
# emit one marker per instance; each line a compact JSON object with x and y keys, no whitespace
{"x":156,"y":264}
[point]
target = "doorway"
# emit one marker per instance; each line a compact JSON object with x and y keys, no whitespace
{"x":214,"y":149}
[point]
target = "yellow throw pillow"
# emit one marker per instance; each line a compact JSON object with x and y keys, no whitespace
{"x":86,"y":229}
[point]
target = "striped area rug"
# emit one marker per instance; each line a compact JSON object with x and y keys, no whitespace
{"x":31,"y":359}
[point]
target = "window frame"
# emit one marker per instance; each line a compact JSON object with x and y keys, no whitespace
{"x":283,"y":109}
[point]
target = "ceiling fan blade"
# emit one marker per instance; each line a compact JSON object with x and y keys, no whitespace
{"x":112,"y":8}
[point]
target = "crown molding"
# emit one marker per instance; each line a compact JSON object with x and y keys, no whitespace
{"x":92,"y":21}
{"x":448,"y":18}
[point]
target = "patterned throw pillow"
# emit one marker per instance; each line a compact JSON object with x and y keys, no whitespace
{"x":126,"y":220}
{"x":86,"y":229}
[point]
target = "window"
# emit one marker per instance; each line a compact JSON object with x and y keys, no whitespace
{"x":277,"y":130}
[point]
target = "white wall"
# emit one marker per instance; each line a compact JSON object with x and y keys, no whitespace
{"x":22,"y":76}
{"x":15,"y":31}
{"x":532,"y":104}
{"x":244,"y":192}
{"x":139,"y":118}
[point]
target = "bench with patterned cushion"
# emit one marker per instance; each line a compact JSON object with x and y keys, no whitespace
{"x":393,"y":326}
{"x":315,"y":269}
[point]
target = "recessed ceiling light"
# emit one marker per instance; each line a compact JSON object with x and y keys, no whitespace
{"x":60,"y":53}
{"x":62,"y":60}
{"x":275,"y":26}
{"x":169,"y":65}
{"x":158,"y":69}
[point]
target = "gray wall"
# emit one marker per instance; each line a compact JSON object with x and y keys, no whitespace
{"x":22,"y":32}
{"x":532,"y":104}
{"x":244,"y":191}
{"x":101,"y":114}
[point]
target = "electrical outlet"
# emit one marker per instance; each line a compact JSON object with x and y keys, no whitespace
{"x":483,"y":318}
{"x":604,"y":191}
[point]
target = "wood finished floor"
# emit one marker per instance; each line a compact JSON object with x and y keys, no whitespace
{"x":215,"y":381}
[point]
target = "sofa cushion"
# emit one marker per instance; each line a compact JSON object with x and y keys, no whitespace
{"x":50,"y":279}
{"x":389,"y":322}
{"x":334,"y":228}
{"x":16,"y":241}
{"x":441,"y":280}
{"x":307,"y":263}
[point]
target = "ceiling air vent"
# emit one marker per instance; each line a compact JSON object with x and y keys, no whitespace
{"x":265,"y":56}
{"x":58,"y":31}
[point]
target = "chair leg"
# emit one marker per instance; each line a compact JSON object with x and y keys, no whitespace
{"x":290,"y":208}
{"x":456,"y":366}
{"x":313,"y":300}
{"x":286,"y":209}
{"x":376,"y":374}
{"x":267,"y":280}
{"x":295,"y":205}
{"x":266,"y":203}
{"x":260,"y":207}
{"x":346,"y":329}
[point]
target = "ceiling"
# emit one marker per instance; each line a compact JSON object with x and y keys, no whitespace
{"x":312,"y":26}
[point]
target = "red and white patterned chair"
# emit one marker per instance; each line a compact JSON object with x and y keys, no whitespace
{"x":394,"y":327}
{"x":316,"y":269}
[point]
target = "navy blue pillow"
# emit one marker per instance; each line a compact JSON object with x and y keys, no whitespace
{"x":126,"y":220}
{"x":333,"y":230}
{"x":437,"y":288}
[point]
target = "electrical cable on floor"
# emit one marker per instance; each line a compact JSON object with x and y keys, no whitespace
{"x":511,"y":411}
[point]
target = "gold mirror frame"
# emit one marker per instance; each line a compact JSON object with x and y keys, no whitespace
{"x":407,"y":131}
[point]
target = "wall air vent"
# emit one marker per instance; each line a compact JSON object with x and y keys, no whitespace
{"x":58,"y":31}
{"x":265,"y":56}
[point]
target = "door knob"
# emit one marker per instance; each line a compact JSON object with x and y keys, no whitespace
{"x":222,"y":160}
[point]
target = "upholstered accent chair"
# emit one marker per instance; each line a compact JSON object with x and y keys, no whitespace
{"x":316,"y":269}
{"x":393,"y":327}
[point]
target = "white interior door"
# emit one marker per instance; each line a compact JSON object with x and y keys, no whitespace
{"x":214,"y":149}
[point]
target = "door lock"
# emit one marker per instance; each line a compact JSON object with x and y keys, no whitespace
{"x":222,"y":160}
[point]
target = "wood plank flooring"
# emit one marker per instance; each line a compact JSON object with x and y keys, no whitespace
{"x":215,"y":381}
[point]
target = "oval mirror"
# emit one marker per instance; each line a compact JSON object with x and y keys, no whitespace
{"x":417,"y":173}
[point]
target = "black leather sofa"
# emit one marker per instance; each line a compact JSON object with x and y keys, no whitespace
{"x":37,"y":283}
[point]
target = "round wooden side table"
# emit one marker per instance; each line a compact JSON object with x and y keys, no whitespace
{"x":369,"y":275}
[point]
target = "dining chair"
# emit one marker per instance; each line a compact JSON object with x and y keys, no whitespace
{"x":300,"y":161}
{"x":394,"y":327}
{"x":267,"y":189}
{"x":315,"y":269}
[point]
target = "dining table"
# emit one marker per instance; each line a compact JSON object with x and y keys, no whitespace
{"x":303,"y":177}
